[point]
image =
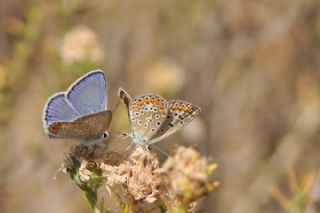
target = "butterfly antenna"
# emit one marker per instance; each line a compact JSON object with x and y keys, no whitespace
{"x":159,"y":149}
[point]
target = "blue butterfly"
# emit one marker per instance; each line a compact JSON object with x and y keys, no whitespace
{"x":81,"y":111}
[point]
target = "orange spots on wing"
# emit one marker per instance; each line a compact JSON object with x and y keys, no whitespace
{"x":180,"y":107}
{"x":157,"y":101}
{"x":186,"y":108}
{"x":162,"y":106}
{"x":174,"y":106}
{"x":147,"y":99}
{"x":133,"y":106}
{"x":55,"y":128}
{"x":153,"y":99}
{"x":140,"y":102}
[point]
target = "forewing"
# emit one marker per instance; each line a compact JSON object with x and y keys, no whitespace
{"x":57,"y":109}
{"x":180,"y":114}
{"x":125,"y":97}
{"x":88,"y":127}
{"x":89,"y":93}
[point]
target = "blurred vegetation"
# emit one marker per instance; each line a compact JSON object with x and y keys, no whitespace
{"x":253,"y":67}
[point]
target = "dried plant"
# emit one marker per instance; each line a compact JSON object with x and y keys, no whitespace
{"x":301,"y":190}
{"x":138,"y":181}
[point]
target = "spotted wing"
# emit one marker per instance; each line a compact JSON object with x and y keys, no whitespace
{"x":89,"y":93}
{"x":146,"y":115}
{"x":180,"y":114}
{"x":88,"y":127}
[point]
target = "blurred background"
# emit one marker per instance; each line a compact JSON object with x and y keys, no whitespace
{"x":252,"y":66}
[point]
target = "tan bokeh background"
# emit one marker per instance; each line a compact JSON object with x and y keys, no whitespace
{"x":252,"y":66}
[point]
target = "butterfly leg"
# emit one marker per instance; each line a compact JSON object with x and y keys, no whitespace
{"x":126,"y":151}
{"x":149,"y":146}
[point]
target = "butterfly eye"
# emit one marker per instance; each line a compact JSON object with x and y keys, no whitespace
{"x":105,"y":135}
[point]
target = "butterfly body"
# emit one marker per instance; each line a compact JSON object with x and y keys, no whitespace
{"x":152,"y":118}
{"x":80,"y":112}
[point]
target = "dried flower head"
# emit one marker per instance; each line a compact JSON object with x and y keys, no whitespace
{"x":138,"y":176}
{"x":83,"y":166}
{"x":137,"y":180}
{"x":81,"y":44}
{"x":188,"y":175}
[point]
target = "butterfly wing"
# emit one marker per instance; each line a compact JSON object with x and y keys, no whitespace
{"x":88,"y":127}
{"x":56,"y":109}
{"x":125,"y":97}
{"x":146,"y":115}
{"x":180,"y":114}
{"x":89,"y":93}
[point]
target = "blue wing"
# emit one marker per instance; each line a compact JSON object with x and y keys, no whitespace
{"x":89,"y":93}
{"x":58,"y":109}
